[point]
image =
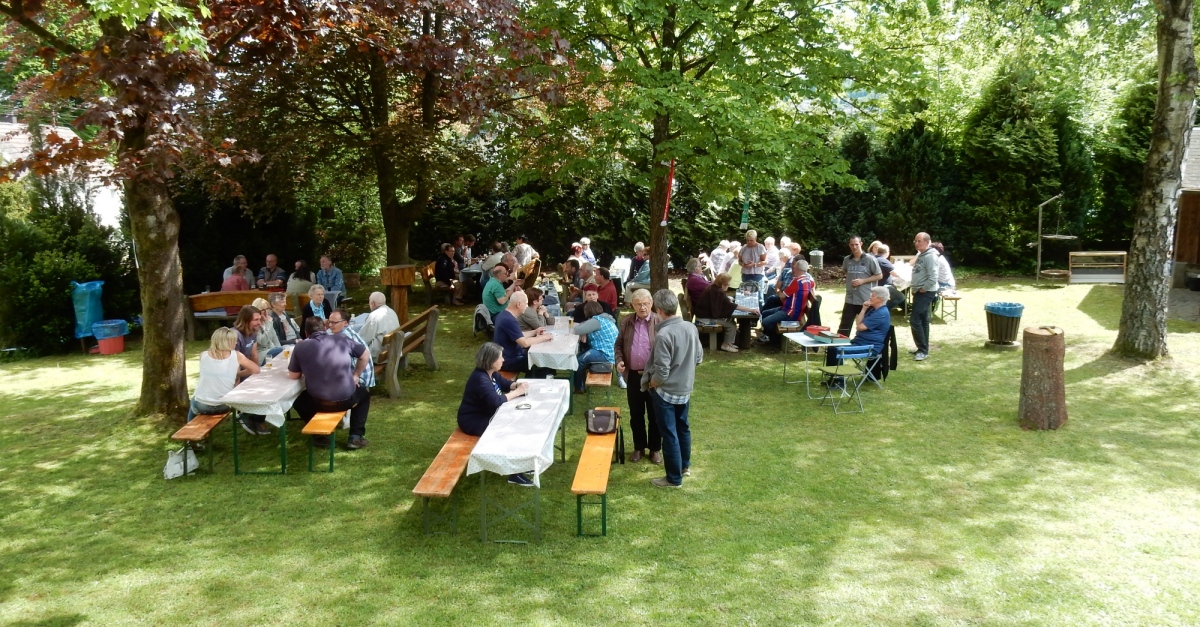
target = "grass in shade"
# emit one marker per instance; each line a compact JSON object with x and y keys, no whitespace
{"x":933,"y":508}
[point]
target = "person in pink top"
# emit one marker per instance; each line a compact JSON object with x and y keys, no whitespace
{"x":635,"y":338}
{"x":696,"y":283}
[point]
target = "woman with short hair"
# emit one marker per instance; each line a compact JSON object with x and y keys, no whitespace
{"x":317,"y":307}
{"x":286,"y":329}
{"x":486,"y":390}
{"x":535,"y":315}
{"x":268,"y":342}
{"x":219,"y":369}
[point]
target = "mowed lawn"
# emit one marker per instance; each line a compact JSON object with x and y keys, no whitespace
{"x":933,"y":508}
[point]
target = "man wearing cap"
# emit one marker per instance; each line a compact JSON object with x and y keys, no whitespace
{"x":585,"y":252}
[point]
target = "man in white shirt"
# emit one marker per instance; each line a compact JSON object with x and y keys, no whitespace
{"x":381,"y":321}
{"x":240,"y":267}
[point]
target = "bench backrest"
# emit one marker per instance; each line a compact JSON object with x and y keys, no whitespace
{"x":427,"y":274}
{"x":417,"y":328}
{"x":685,"y":307}
{"x":214,"y":300}
{"x":296,"y":302}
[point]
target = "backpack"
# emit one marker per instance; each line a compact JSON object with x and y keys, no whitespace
{"x":601,"y":421}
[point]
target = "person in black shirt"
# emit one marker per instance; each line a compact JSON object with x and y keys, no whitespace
{"x":484,"y":393}
{"x":445,"y":272}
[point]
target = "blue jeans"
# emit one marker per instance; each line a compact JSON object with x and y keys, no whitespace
{"x":919,"y":319}
{"x":771,"y":320}
{"x":676,"y":436}
{"x":196,"y":408}
{"x":590,"y":356}
{"x":274,"y":351}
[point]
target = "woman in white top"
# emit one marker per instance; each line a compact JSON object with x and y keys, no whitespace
{"x":268,"y":340}
{"x":220,"y":366}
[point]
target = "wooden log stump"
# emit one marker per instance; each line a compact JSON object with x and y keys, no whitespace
{"x":1043,"y":389}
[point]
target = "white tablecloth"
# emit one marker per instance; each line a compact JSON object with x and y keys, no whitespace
{"x":269,"y":393}
{"x":560,"y":354}
{"x":901,"y":275}
{"x":522,"y":440}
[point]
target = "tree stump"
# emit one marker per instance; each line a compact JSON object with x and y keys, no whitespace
{"x":1043,"y":389}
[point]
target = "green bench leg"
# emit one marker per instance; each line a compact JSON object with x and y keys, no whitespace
{"x":332,"y":446}
{"x":428,"y":516}
{"x":237,"y":465}
{"x":603,"y":503}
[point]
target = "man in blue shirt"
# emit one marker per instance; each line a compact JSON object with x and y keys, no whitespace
{"x":873,"y":321}
{"x":513,"y":340}
{"x":330,"y":277}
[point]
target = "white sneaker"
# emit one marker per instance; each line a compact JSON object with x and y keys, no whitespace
{"x":920,"y":356}
{"x":729,"y":348}
{"x":621,"y":381}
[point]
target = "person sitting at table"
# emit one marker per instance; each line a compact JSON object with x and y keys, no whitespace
{"x":246,"y":326}
{"x":445,"y":272}
{"x":640,"y":279}
{"x":882,"y":253}
{"x":268,"y":342}
{"x":607,"y":289}
{"x":300,"y":280}
{"x":333,"y":325}
{"x":493,"y":257}
{"x":514,"y":341}
{"x":220,"y":367}
{"x":585,"y":276}
{"x":329,"y":385}
{"x":696,"y":282}
{"x":600,"y":331}
{"x":234,"y":283}
{"x":271,"y":276}
{"x":317,"y":307}
{"x":715,"y":307}
{"x":591,"y":294}
{"x":483,"y":395}
{"x":798,"y":294}
{"x":945,"y":274}
{"x":495,"y":296}
{"x":286,"y":330}
{"x":639,"y":258}
{"x":381,"y":321}
{"x":772,"y":267}
{"x":576,"y":253}
{"x":239,"y":268}
{"x":535,"y":315}
{"x":872,"y":327}
{"x":783,"y":276}
{"x":330,"y":278}
{"x":585,"y":251}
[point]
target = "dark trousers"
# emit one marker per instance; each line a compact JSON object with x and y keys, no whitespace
{"x":849,"y":313}
{"x":919,"y":319}
{"x":676,"y":435}
{"x":359,"y":404}
{"x":641,"y":413}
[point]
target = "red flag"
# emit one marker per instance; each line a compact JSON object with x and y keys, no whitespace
{"x":670,"y":184}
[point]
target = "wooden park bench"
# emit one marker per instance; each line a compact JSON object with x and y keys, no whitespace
{"x":431,"y":286}
{"x":711,"y":330}
{"x":591,"y":476}
{"x":442,"y":476}
{"x":326,"y":424}
{"x":200,"y":304}
{"x":601,"y":380}
{"x":393,"y":358}
{"x":199,"y":430}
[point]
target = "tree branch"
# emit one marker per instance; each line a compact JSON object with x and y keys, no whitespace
{"x":15,"y":10}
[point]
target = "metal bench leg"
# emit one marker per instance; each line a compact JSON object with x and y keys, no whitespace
{"x":237,"y":466}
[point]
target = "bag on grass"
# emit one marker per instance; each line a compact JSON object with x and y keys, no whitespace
{"x":174,"y":467}
{"x":601,"y":421}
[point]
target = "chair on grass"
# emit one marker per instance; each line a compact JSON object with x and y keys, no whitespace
{"x":843,"y":381}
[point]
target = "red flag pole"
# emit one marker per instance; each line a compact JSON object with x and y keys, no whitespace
{"x":670,"y":184}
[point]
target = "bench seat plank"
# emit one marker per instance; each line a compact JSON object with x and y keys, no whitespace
{"x":199,"y":427}
{"x":591,"y":477}
{"x":446,"y":469}
{"x":323,"y":423}
{"x":599,"y":379}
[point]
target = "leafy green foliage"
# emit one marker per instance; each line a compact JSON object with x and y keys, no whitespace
{"x":1121,"y":163}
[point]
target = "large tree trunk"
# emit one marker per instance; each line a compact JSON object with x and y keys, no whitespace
{"x":1143,"y":330}
{"x":155,"y":226}
{"x":659,"y":255}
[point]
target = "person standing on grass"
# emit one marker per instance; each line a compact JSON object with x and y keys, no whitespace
{"x":635,"y":338}
{"x":925,"y":289}
{"x":862,"y":273}
{"x":669,"y":379}
{"x":329,"y":385}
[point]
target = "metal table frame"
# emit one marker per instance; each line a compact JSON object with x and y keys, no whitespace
{"x":805,"y":343}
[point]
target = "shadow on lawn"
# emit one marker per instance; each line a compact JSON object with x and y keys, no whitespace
{"x":61,"y":620}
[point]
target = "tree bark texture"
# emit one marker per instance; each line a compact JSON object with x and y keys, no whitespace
{"x":155,"y":226}
{"x":660,"y":256}
{"x":1143,"y":328}
{"x":1043,"y":402}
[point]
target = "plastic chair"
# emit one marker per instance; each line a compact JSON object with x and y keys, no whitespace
{"x":854,"y":364}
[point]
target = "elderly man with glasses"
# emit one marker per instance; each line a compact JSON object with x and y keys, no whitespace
{"x":330,"y":385}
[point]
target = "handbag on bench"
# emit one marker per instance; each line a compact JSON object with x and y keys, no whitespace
{"x":601,"y":421}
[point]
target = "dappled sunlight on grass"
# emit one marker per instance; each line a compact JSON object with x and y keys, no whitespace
{"x":932,"y":507}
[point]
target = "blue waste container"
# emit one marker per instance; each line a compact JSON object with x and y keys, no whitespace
{"x":88,"y":310}
{"x":110,"y":335}
{"x":1003,"y":321}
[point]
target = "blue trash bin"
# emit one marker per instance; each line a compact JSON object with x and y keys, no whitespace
{"x":1003,"y":321}
{"x":88,"y":310}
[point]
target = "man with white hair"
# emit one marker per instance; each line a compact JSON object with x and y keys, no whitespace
{"x":513,"y":340}
{"x":717,"y":258}
{"x":586,"y":253}
{"x":772,"y":269}
{"x":381,"y":321}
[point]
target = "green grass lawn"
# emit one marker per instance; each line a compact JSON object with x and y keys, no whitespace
{"x":933,"y":508}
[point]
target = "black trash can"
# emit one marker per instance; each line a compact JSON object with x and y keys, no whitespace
{"x":1003,"y":322}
